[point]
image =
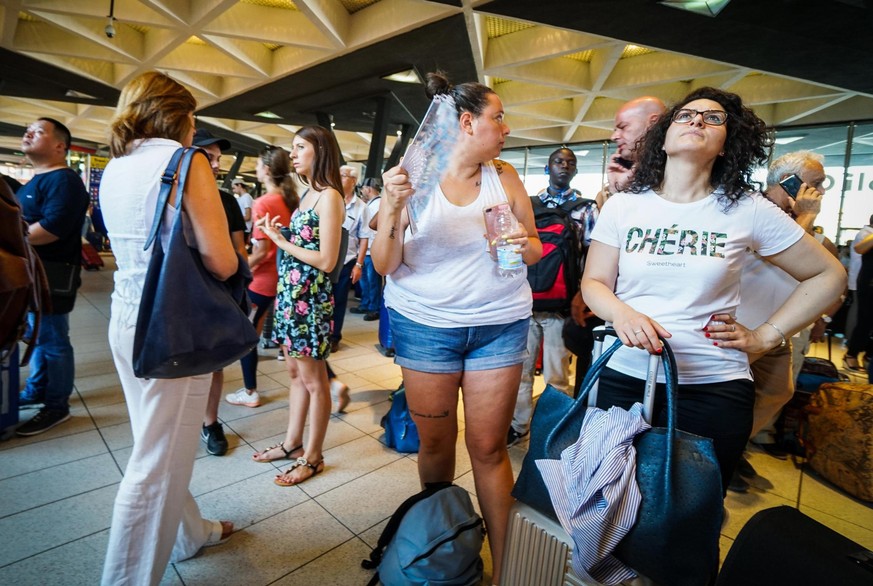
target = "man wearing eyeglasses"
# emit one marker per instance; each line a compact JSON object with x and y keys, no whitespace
{"x":212,"y":433}
{"x":356,"y":222}
{"x":632,"y":120}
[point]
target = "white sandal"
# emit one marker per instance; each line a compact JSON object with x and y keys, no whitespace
{"x":216,"y":533}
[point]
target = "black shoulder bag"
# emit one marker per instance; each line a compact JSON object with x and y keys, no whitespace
{"x":189,"y":322}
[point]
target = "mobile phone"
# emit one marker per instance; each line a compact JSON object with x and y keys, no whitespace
{"x":627,"y":164}
{"x":491,"y":231}
{"x":791,"y":185}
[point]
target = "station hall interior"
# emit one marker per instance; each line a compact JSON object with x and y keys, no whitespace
{"x":261,"y":69}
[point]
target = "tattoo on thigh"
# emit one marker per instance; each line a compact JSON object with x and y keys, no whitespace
{"x":430,"y":415}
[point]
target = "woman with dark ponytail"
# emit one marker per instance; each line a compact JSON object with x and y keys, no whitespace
{"x":280,"y":200}
{"x":457,"y":323}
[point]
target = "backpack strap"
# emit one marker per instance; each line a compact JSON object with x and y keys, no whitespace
{"x":390,"y":530}
{"x":167,"y":180}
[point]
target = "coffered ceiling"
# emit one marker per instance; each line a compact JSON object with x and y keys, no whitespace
{"x":560,"y":67}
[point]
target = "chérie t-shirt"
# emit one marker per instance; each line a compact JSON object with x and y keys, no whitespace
{"x":680,"y":263}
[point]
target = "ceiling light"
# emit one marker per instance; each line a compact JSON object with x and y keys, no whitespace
{"x":581,"y":153}
{"x":788,"y":139}
{"x":75,"y":94}
{"x":268,"y":114}
{"x":705,"y":7}
{"x":407,"y":76}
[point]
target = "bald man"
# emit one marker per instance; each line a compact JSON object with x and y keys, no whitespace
{"x":632,"y":120}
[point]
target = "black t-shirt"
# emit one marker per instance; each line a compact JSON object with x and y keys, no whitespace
{"x":235,"y":220}
{"x":57,"y":200}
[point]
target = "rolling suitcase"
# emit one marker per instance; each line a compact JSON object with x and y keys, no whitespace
{"x":783,"y":547}
{"x":91,"y":260}
{"x":538,"y":551}
{"x":386,"y":340}
{"x":9,"y":380}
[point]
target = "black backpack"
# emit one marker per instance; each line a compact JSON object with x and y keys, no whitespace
{"x":23,"y":284}
{"x":554,"y":280}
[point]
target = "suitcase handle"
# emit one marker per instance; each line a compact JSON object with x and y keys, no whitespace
{"x":575,"y":414}
{"x":600,"y":333}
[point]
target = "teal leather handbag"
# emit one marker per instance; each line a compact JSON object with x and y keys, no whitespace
{"x":675,"y":539}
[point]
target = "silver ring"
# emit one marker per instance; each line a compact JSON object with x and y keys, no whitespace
{"x":733,"y":328}
{"x":637,"y":331}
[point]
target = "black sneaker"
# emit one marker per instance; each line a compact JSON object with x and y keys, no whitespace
{"x":513,"y":437}
{"x":43,"y":421}
{"x":358,"y":310}
{"x":773,"y":449}
{"x":213,"y":435}
{"x":738,"y":484}
{"x":372,"y":316}
{"x":745,"y":468}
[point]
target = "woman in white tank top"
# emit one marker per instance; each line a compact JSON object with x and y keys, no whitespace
{"x":456,"y":322}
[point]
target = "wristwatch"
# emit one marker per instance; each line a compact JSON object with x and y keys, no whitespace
{"x":359,"y":265}
{"x":826,"y":318}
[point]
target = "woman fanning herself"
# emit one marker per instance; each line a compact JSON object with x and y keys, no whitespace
{"x":279,"y":201}
{"x":155,"y":519}
{"x":304,"y":300}
{"x":455,"y":320}
{"x":666,"y":258}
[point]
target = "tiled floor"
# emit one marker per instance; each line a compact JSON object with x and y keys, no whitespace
{"x":57,"y":488}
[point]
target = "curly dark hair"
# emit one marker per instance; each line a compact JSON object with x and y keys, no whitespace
{"x":746,"y":145}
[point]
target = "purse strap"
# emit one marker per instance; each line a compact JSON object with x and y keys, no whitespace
{"x":576,"y":413}
{"x":178,"y":167}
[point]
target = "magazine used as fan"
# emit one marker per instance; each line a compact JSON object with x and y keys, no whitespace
{"x":427,"y":157}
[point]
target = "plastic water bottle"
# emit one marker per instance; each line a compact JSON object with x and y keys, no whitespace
{"x":509,"y":262}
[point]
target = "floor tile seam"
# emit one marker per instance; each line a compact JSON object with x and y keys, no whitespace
{"x":39,"y":553}
{"x":843,"y":519}
{"x":176,"y":571}
{"x":69,"y":496}
{"x":349,"y":481}
{"x":319,"y":556}
{"x":108,"y":452}
{"x":47,"y":439}
{"x":99,"y":431}
{"x":235,"y":482}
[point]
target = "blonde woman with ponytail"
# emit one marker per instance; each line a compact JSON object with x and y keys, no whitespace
{"x":280,"y":200}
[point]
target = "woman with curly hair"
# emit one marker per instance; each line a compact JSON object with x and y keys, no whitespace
{"x":666,"y":257}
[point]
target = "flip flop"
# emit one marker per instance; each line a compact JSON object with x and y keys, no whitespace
{"x":316,"y":469}
{"x":280,"y":445}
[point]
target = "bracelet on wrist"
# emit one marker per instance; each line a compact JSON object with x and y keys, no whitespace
{"x":784,"y":342}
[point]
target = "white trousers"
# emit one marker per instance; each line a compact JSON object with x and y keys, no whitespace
{"x":545,"y":330}
{"x":155,"y":519}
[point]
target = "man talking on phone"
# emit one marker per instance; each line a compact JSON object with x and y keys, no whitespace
{"x":764,"y":288}
{"x":632,"y":120}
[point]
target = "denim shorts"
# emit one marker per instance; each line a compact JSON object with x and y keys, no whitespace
{"x":446,"y":350}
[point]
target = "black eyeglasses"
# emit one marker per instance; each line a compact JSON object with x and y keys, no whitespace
{"x":710,"y":117}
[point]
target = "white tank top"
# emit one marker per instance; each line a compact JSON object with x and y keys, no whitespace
{"x":447,"y":278}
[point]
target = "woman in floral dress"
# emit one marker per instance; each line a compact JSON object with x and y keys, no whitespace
{"x":304,"y":300}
